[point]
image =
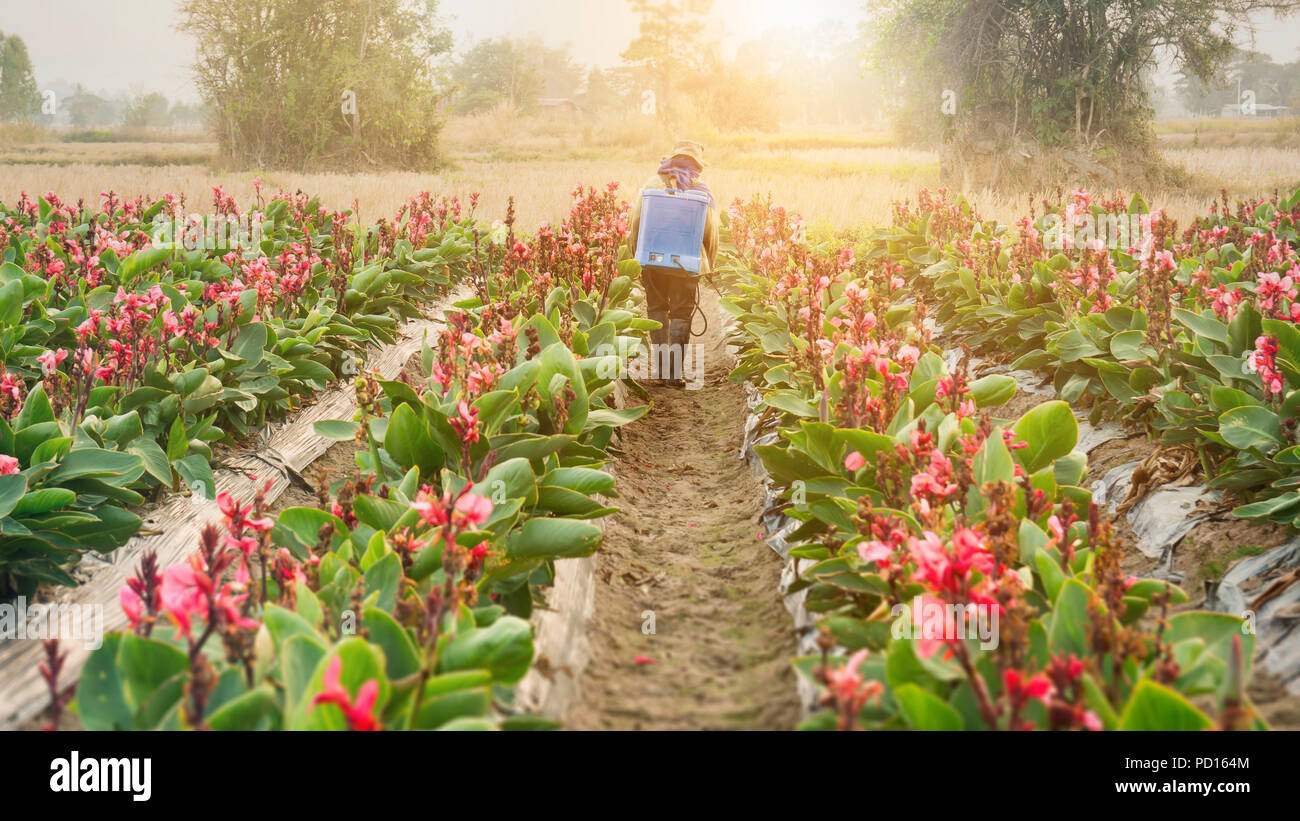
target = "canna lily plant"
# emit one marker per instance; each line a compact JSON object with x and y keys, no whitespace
{"x":124,"y":359}
{"x":401,"y":600}
{"x":952,"y":552}
{"x":1191,"y":334}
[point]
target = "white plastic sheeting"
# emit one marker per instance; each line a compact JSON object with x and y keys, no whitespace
{"x":1161,"y":519}
{"x":1091,"y":438}
{"x":1277,"y":622}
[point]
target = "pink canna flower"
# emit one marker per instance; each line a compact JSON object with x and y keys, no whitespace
{"x":183,"y":596}
{"x":466,"y":423}
{"x":1263,"y":362}
{"x":1271,"y":289}
{"x":236,"y":515}
{"x":929,"y":641}
{"x":8,"y":465}
{"x":474,"y":509}
{"x":132,"y":605}
{"x":1057,"y":529}
{"x":430,"y":507}
{"x":187,"y":588}
{"x":854,"y":461}
{"x":11,"y":386}
{"x":875,"y":551}
{"x":50,"y":360}
{"x":926,"y":484}
{"x":360,"y":713}
{"x":850,"y":690}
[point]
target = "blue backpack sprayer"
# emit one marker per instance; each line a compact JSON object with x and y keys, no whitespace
{"x":670,"y":240}
{"x":671,"y":234}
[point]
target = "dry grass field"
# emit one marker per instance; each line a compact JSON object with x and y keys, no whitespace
{"x":1229,"y":125}
{"x":835,"y":177}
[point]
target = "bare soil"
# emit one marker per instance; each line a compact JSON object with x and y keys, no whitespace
{"x":687,"y":546}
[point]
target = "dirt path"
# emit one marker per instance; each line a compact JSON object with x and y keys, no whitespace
{"x":686,"y":545}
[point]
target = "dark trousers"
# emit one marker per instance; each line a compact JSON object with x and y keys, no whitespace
{"x":669,"y":293}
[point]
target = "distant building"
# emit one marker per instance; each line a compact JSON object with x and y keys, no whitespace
{"x":1261,"y":110}
{"x":558,"y":108}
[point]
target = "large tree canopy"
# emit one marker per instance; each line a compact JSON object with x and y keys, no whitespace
{"x":1059,"y":72}
{"x":19,"y":98}
{"x":514,"y":71}
{"x":677,"y":57}
{"x":283,"y":78}
{"x":669,"y":46}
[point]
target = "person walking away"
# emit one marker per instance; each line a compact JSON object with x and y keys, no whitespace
{"x":673,"y":209}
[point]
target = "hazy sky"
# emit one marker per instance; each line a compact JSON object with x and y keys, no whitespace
{"x":599,"y":30}
{"x":130,"y":45}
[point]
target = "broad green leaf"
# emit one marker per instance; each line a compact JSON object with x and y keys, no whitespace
{"x":553,"y":539}
{"x":922,"y":710}
{"x":994,"y":389}
{"x":505,"y":648}
{"x":1251,"y":426}
{"x":1049,"y":431}
{"x":1156,"y":707}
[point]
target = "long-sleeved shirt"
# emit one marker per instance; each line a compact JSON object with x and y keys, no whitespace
{"x":707,"y":259}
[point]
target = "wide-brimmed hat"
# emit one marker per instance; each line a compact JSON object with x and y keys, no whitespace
{"x":689,"y":148}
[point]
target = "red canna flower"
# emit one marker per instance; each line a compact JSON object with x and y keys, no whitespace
{"x":1022,"y":688}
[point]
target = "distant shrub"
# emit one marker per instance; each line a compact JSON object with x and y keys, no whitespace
{"x":320,"y":84}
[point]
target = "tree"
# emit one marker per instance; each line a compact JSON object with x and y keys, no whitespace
{"x":600,"y":94}
{"x":669,"y":45}
{"x":146,"y":111}
{"x":499,"y":70}
{"x":814,"y":75}
{"x":735,"y":99}
{"x":185,"y":114}
{"x":19,"y":98}
{"x":84,"y":109}
{"x":1270,"y":82}
{"x":320,"y":83}
{"x":514,"y":71}
{"x":1068,"y":72}
{"x":561,"y":77}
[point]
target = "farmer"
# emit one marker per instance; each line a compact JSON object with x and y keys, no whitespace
{"x":671,"y":290}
